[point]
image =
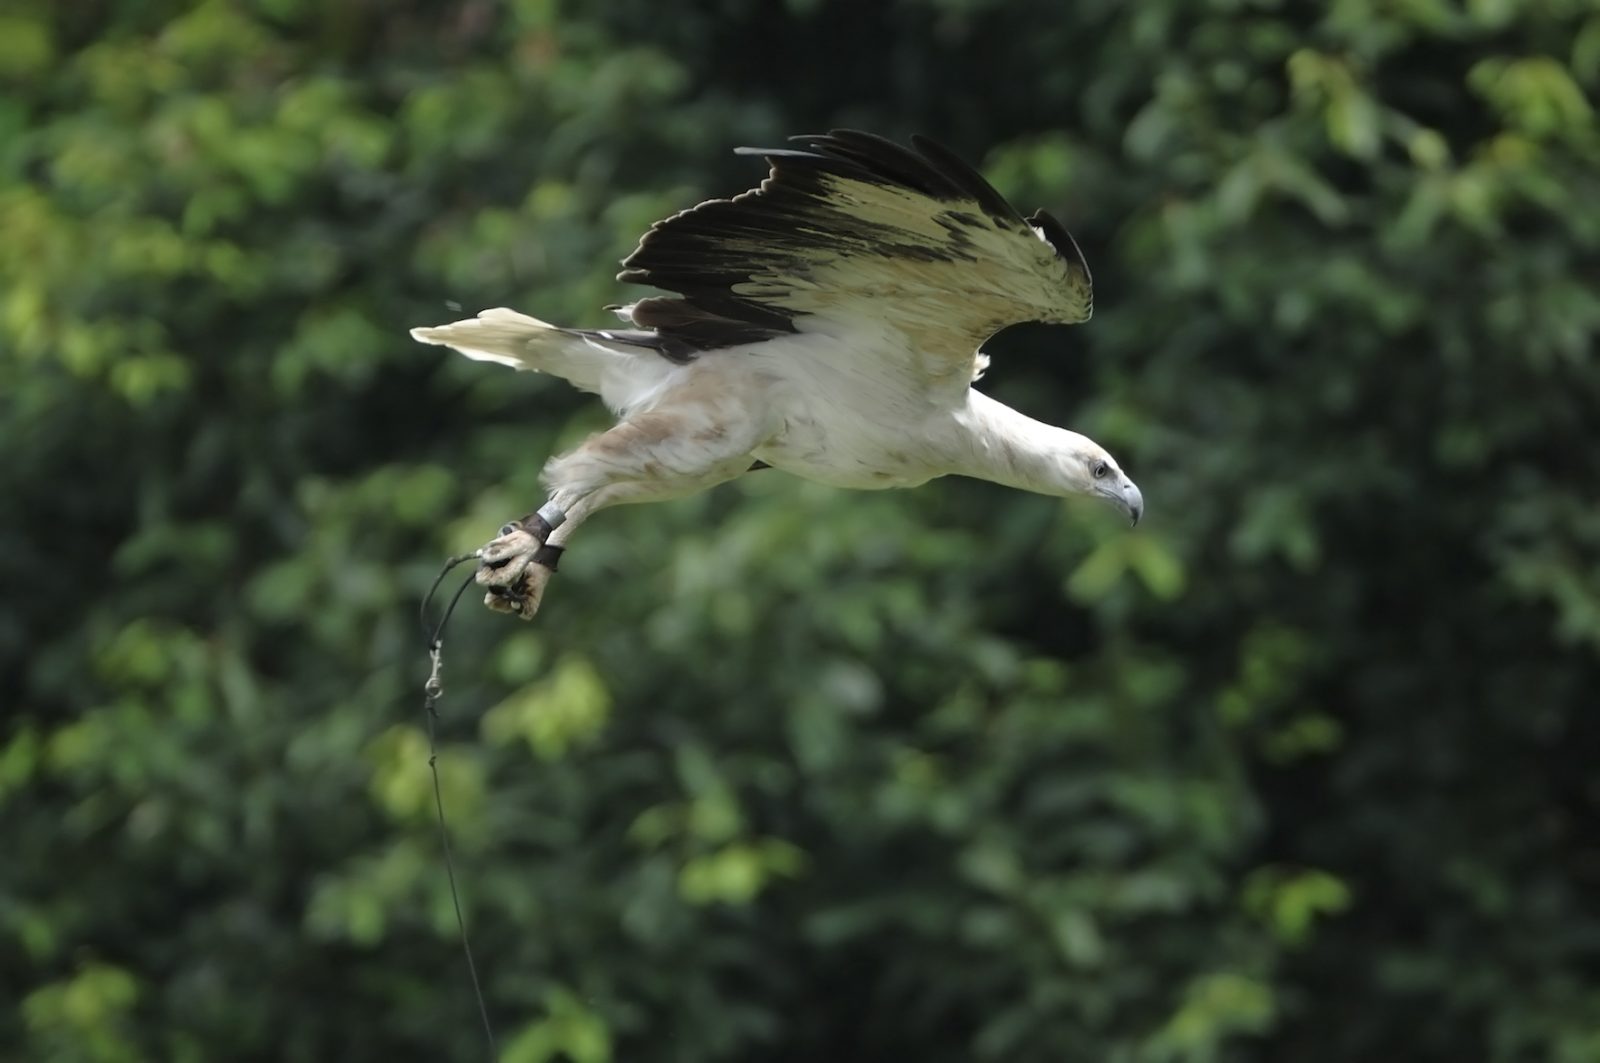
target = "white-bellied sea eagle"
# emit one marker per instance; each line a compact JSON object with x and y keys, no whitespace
{"x":827,"y":324}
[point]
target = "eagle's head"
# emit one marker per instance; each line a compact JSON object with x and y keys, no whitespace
{"x":1092,"y":471}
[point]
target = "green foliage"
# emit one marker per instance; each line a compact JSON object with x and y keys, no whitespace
{"x":1301,"y":770}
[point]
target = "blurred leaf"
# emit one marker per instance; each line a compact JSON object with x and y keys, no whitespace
{"x":564,"y":711}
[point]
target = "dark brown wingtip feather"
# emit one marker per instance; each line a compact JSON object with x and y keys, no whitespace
{"x":971,"y":181}
{"x":685,"y":327}
{"x":1061,"y":240}
{"x":888,"y":160}
{"x":931,"y":168}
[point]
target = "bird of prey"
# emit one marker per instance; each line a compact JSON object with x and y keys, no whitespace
{"x":827,"y":324}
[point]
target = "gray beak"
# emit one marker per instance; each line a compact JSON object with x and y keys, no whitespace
{"x":1122,"y":493}
{"x":1133,"y":501}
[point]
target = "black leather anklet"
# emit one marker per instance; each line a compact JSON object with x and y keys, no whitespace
{"x":534,"y":524}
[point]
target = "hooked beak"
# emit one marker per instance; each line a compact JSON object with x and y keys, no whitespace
{"x":1125,"y":495}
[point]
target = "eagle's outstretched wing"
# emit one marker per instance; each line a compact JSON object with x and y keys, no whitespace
{"x":853,"y":234}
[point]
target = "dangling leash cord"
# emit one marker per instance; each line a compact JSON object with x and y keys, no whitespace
{"x":432,"y":690}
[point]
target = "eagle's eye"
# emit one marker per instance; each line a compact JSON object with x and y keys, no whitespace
{"x":1100,"y":470}
{"x":507,"y":529}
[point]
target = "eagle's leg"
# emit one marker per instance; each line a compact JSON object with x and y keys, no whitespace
{"x":675,"y":450}
{"x":527,"y":555}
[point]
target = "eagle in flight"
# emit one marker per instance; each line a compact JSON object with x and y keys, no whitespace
{"x":828,"y":324}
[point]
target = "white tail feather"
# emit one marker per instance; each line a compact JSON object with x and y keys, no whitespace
{"x":501,"y":335}
{"x":619,"y":376}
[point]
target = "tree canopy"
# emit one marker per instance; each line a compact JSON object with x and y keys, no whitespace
{"x":1302,"y":769}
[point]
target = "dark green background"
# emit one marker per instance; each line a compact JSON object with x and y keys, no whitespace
{"x":1302,"y":770}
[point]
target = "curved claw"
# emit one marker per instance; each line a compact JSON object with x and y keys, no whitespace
{"x":522,"y":598}
{"x":502,"y":602}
